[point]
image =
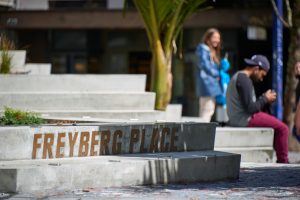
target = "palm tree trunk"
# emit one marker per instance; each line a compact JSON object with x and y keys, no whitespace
{"x":161,"y":77}
{"x":291,"y":82}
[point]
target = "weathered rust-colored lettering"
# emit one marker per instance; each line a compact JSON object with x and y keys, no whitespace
{"x":60,"y":144}
{"x":117,"y":146}
{"x":84,"y":144}
{"x":72,"y":141}
{"x":105,"y":138}
{"x":154,"y":141}
{"x":94,"y":142}
{"x":174,"y":138}
{"x":142,"y":146}
{"x":35,"y":145}
{"x":164,"y":146}
{"x":48,"y":143}
{"x":134,"y":138}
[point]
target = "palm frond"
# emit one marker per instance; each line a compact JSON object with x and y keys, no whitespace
{"x":190,"y":8}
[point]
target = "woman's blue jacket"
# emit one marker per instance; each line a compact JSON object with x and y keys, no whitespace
{"x":207,"y":73}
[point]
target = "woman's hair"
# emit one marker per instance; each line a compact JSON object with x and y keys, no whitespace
{"x":206,"y":37}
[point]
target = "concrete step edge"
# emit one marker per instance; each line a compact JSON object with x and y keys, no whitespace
{"x":109,"y":158}
{"x":118,"y":171}
{"x":243,"y":148}
{"x":76,"y":92}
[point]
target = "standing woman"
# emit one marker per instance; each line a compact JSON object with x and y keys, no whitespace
{"x":208,"y":59}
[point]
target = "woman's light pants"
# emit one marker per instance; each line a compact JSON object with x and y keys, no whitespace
{"x":206,"y":108}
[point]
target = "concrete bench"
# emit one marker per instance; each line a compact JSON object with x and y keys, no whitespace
{"x":254,"y":144}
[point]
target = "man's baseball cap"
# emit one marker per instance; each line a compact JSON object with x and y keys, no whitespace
{"x":258,"y":60}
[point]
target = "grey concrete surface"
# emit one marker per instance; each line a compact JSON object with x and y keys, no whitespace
{"x":254,"y":144}
{"x":109,"y":115}
{"x":38,"y":68}
{"x":78,"y":100}
{"x":253,"y":154}
{"x":294,"y":157}
{"x":112,"y":171}
{"x":72,"y":83}
{"x":173,"y":112}
{"x":227,"y":137}
{"x":23,"y":142}
{"x":257,"y":181}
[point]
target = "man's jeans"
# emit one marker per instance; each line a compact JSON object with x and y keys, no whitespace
{"x":281,"y":130}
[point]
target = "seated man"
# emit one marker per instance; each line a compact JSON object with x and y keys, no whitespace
{"x":244,"y":109}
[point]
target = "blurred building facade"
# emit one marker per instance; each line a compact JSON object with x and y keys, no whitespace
{"x":93,"y":36}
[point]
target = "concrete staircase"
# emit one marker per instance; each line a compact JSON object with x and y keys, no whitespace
{"x":103,"y":97}
{"x":105,"y":155}
{"x":57,"y":157}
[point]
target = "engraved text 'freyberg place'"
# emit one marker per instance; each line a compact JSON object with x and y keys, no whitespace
{"x":105,"y":142}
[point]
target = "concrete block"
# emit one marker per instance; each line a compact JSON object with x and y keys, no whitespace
{"x":43,"y":142}
{"x":252,"y":154}
{"x":110,"y":171}
{"x":72,"y":83}
{"x":32,"y":5}
{"x":254,"y":144}
{"x":35,"y":101}
{"x":174,"y":112}
{"x":227,"y":137}
{"x":38,"y":68}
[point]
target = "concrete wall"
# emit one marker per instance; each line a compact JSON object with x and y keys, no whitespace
{"x":104,"y":139}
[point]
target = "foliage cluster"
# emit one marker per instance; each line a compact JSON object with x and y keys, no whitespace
{"x":18,"y":117}
{"x":163,"y":20}
{"x":5,"y":59}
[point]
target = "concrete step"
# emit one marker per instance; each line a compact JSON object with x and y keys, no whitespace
{"x":43,"y":142}
{"x":139,"y":115}
{"x":71,"y":83}
{"x":252,"y":154}
{"x":110,"y":171}
{"x":227,"y":137}
{"x":254,"y":144}
{"x":78,"y":100}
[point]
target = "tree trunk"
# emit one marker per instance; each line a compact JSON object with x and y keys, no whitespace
{"x":291,"y":82}
{"x":161,"y":76}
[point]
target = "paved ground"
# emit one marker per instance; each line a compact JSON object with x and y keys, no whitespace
{"x":257,"y":181}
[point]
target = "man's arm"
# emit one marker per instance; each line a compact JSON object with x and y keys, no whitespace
{"x":245,"y":88}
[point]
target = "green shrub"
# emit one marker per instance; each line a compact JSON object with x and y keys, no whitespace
{"x":5,"y":45}
{"x":18,"y":117}
{"x":5,"y":63}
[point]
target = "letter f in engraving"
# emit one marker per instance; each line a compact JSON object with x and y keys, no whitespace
{"x":36,"y":145}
